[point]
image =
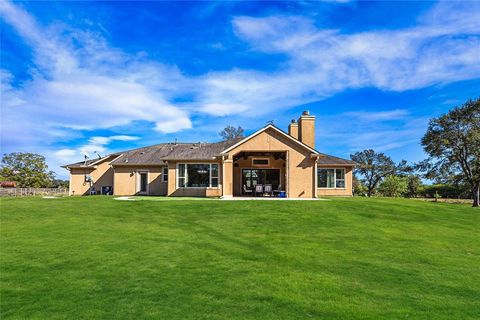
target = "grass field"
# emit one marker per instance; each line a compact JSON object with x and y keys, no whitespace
{"x":347,"y":258}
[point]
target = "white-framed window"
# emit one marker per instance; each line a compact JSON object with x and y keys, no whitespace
{"x":142,"y":182}
{"x":260,"y":162}
{"x":331,"y":178}
{"x":197,"y":175}
{"x":165,"y":174}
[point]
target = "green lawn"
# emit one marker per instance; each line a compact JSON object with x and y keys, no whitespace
{"x":347,"y":258}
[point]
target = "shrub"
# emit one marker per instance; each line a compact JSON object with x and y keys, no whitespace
{"x":393,"y":186}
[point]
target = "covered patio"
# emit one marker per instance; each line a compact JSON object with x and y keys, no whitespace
{"x":260,"y":174}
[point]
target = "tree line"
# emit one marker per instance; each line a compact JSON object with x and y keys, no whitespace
{"x":452,"y":143}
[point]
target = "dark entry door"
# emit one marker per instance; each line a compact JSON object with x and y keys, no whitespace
{"x":252,"y":177}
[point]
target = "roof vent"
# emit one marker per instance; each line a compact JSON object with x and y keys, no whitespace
{"x":126,"y":159}
{"x":142,"y":152}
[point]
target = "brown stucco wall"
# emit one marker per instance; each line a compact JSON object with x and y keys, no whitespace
{"x":102,"y":176}
{"x":300,"y":166}
{"x":192,"y":192}
{"x":347,"y":191}
{"x":126,"y":180}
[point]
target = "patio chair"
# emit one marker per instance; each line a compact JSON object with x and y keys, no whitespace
{"x":259,"y":189}
{"x":247,"y":191}
{"x":269,"y":189}
{"x":278,"y":190}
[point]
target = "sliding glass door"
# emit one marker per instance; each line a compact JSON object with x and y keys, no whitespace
{"x":252,"y":177}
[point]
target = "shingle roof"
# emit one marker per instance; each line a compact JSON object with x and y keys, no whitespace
{"x":159,"y":153}
{"x":88,"y":163}
{"x":326,"y":159}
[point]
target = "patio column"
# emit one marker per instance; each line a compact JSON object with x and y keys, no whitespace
{"x":227,"y":175}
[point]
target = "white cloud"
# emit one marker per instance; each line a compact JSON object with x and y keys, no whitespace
{"x":65,"y":154}
{"x":96,"y":145}
{"x":378,"y":115}
{"x":81,"y":83}
{"x":443,"y":47}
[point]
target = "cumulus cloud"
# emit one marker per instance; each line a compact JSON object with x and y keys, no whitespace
{"x":79,"y":82}
{"x":443,"y":47}
{"x":96,"y":145}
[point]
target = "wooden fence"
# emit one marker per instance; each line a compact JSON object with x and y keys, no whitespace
{"x":25,"y":192}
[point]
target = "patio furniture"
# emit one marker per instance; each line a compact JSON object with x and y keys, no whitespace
{"x":247,"y":191}
{"x":259,"y":189}
{"x":269,"y":189}
{"x":278,"y":190}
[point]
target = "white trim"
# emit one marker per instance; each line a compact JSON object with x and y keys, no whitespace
{"x":139,"y":181}
{"x":163,"y":174}
{"x":262,"y":130}
{"x":209,"y":175}
{"x":334,"y":178}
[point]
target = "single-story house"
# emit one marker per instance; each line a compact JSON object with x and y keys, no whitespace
{"x":267,"y":162}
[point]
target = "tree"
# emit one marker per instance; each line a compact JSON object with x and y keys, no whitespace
{"x":403,"y":169}
{"x":359,"y":188}
{"x":452,"y":142}
{"x":230,"y":133}
{"x":27,"y":169}
{"x":393,"y":186}
{"x":373,"y":167}
{"x":414,"y":184}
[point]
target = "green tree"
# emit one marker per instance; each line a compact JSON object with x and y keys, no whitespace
{"x":230,"y":133}
{"x":359,"y":188}
{"x":27,"y":169}
{"x":414,"y":184}
{"x":393,"y":186}
{"x":452,"y":142}
{"x":373,"y":167}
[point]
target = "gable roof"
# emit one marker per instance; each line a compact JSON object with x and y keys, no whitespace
{"x":159,"y":153}
{"x":271,"y":126}
{"x":89,"y":163}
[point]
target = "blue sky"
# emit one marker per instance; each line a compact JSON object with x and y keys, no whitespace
{"x":107,"y":76}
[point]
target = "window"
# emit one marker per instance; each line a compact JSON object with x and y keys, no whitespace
{"x":197,"y":175}
{"x":331,"y":178}
{"x":165,"y":174}
{"x":339,"y":178}
{"x":214,"y":175}
{"x":181,"y":175}
{"x":261,"y":162}
{"x":326,"y":177}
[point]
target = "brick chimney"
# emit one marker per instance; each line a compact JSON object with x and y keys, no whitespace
{"x":293,"y":129}
{"x":306,"y":129}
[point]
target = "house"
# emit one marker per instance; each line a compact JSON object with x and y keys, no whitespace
{"x":287,"y":162}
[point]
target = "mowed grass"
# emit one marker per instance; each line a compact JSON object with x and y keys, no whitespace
{"x":347,"y":258}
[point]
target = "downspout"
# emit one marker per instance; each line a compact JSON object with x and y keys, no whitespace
{"x":315,"y":179}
